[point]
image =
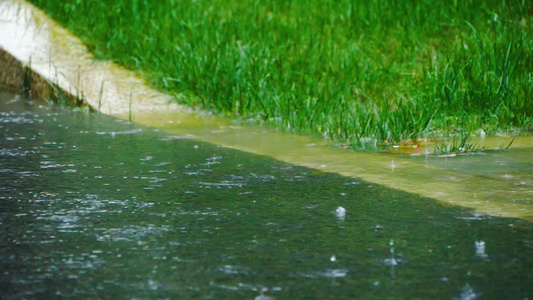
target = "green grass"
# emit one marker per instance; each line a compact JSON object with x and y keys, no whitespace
{"x":350,"y":70}
{"x":460,"y":143}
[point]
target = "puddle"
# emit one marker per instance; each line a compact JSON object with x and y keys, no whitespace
{"x":90,"y":214}
{"x":490,"y":182}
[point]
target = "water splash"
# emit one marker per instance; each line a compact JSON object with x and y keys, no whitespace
{"x":392,"y":261}
{"x":480,"y":249}
{"x":468,"y":293}
{"x":340,"y":213}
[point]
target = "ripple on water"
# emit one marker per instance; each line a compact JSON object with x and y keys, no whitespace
{"x":62,"y":221}
{"x":115,"y":133}
{"x":17,"y":119}
{"x":131,"y":233}
{"x":328,"y":273}
{"x":16,"y":152}
{"x":241,"y":286}
{"x":221,"y":184}
{"x":235,"y":270}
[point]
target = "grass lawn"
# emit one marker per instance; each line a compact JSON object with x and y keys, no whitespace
{"x":355,"y":71}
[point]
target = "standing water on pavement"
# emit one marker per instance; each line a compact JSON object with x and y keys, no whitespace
{"x":96,"y":207}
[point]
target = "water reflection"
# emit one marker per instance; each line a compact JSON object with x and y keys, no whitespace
{"x":144,"y":215}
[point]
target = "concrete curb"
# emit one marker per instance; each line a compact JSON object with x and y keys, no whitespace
{"x":45,"y":61}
